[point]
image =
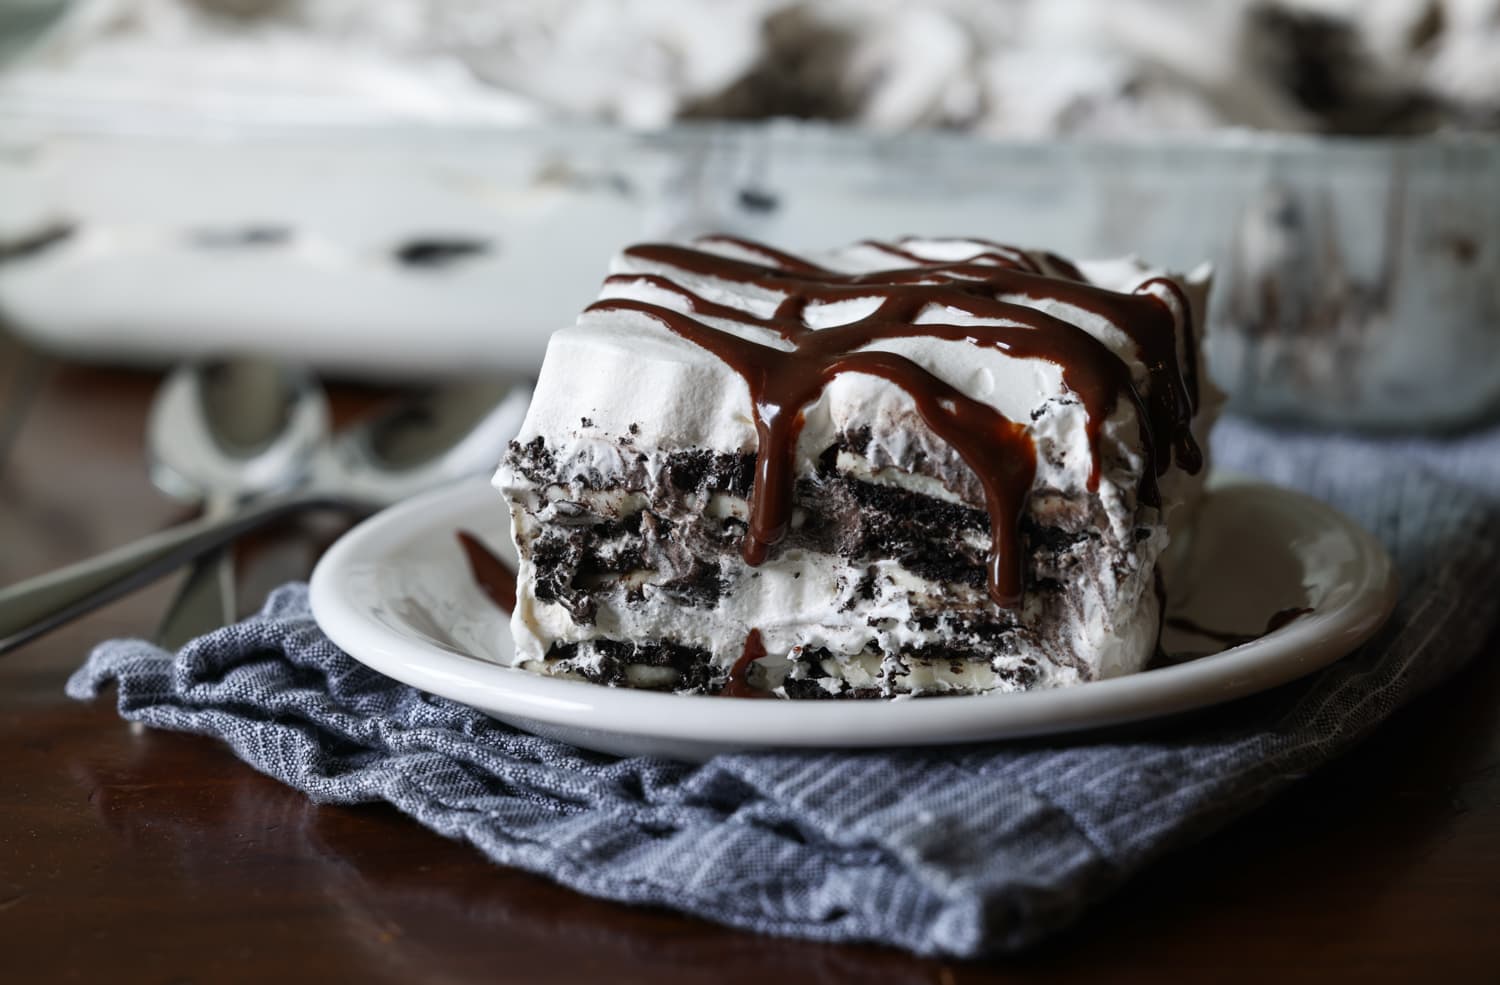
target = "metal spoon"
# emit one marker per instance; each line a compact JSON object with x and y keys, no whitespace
{"x":222,"y":434}
{"x":452,"y":435}
{"x":450,"y":432}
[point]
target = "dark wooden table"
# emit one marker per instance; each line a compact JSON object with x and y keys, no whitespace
{"x":128,"y":855}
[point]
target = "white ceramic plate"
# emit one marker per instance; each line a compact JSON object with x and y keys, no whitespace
{"x":396,"y":594}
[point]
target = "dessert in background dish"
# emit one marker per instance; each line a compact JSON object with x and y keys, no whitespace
{"x":1024,"y":68}
{"x":918,"y":467}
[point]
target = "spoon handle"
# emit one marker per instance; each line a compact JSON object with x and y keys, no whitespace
{"x":204,"y":602}
{"x":41,"y":604}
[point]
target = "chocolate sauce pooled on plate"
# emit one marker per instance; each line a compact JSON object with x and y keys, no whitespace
{"x":1283,"y":618}
{"x":492,"y":575}
{"x":999,"y":451}
{"x":738,"y":685}
{"x":1278,"y":619}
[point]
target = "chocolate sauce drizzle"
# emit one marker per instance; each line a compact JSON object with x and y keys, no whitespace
{"x":492,"y":575}
{"x":1280,"y":618}
{"x":738,"y":683}
{"x":784,"y":379}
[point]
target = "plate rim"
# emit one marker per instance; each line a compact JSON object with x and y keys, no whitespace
{"x":509,"y":693}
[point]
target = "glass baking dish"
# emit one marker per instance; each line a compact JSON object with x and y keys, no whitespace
{"x":1357,"y":280}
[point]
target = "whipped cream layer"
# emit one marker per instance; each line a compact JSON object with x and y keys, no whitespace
{"x":623,"y":400}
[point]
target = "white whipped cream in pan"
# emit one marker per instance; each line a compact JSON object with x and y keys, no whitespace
{"x":1006,"y":67}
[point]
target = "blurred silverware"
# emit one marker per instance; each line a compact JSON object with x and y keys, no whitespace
{"x":438,"y":438}
{"x":20,"y":383}
{"x":221,"y":434}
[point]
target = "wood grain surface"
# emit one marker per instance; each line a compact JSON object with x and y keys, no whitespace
{"x":135,"y":856}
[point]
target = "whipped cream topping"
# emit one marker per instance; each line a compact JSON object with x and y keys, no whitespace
{"x":678,"y":395}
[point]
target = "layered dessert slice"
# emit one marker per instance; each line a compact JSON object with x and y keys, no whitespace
{"x":922,"y":467}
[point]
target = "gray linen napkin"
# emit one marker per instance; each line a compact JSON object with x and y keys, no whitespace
{"x":958,"y":851}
